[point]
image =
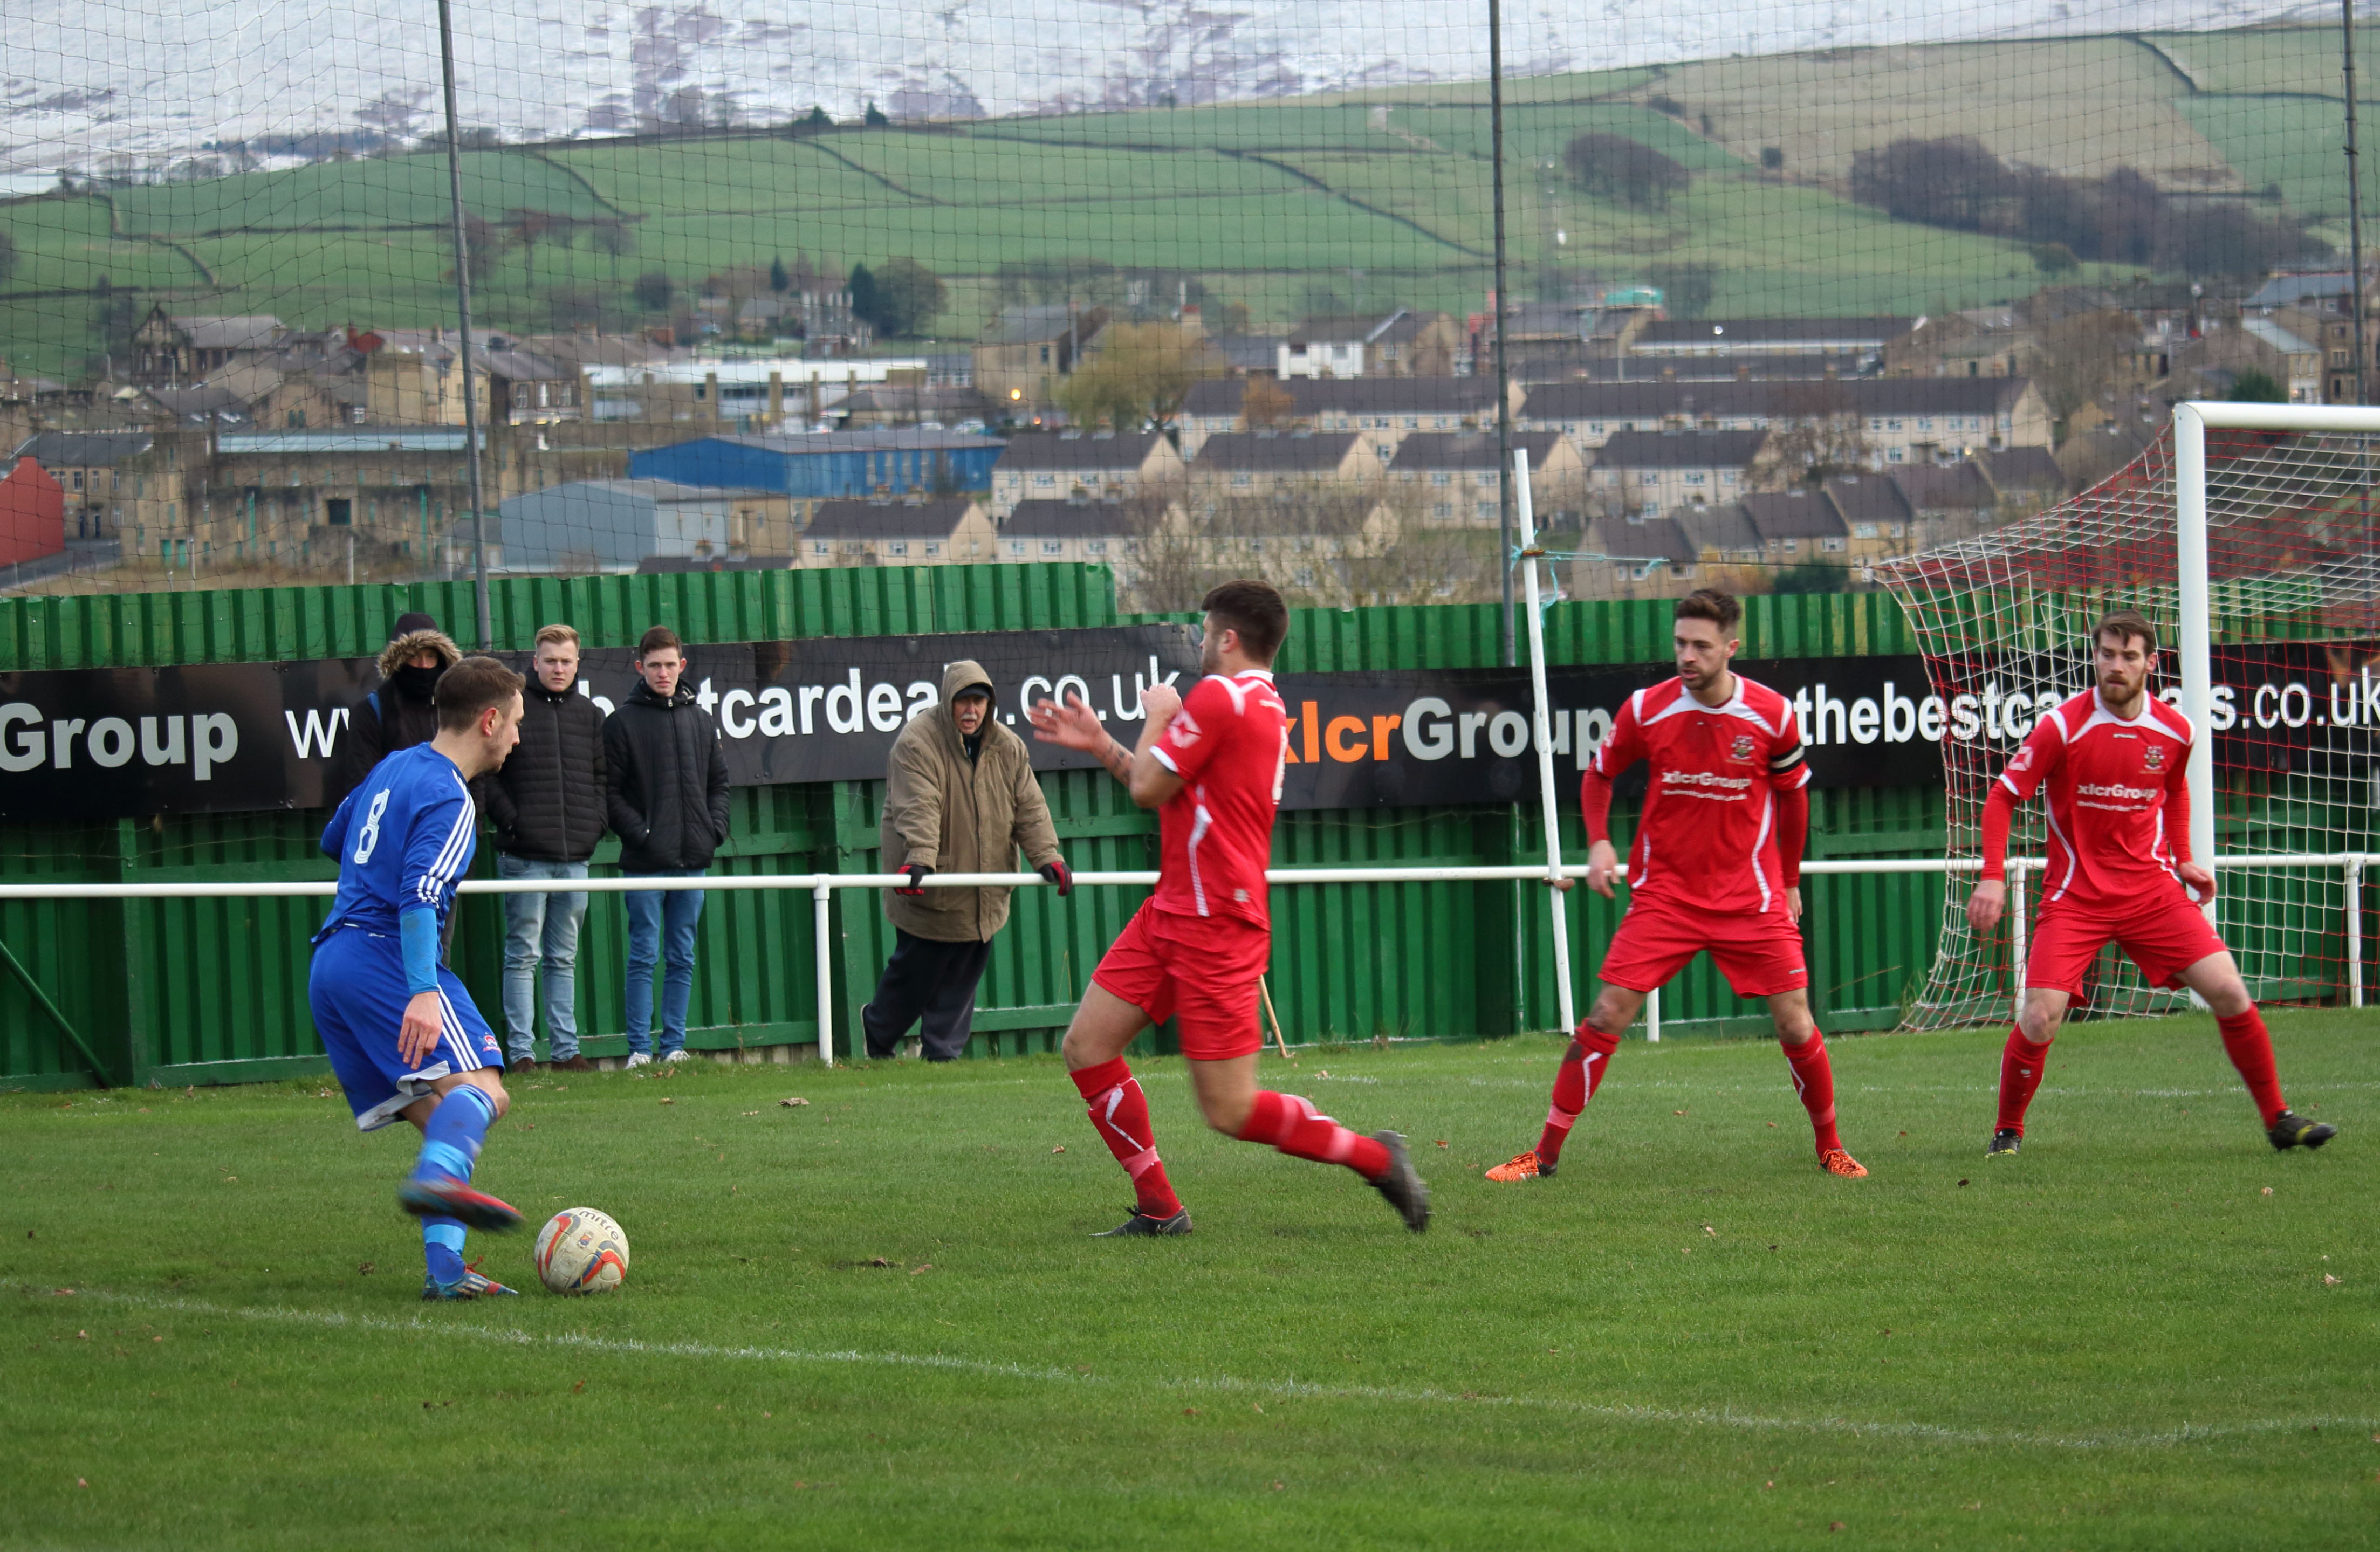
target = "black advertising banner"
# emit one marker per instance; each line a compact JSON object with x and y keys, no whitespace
{"x":109,"y":743}
{"x":2305,"y":705}
{"x":1410,"y":737}
{"x":1414,"y":737}
{"x":206,"y":738}
{"x":827,"y":709}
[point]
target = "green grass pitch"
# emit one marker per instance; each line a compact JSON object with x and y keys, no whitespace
{"x":878,"y":1319}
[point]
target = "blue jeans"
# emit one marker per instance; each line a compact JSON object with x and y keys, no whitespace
{"x":541,"y":930}
{"x":661,"y":927}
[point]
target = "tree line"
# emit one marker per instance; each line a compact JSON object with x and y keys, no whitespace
{"x":2121,"y":217}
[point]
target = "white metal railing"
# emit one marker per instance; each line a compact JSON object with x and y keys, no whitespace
{"x":822,"y":887}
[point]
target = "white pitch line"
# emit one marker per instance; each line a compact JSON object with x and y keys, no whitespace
{"x":2180,"y":1434}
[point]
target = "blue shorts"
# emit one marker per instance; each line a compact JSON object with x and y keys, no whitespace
{"x":357,"y":990}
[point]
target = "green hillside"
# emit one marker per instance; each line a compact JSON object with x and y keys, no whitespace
{"x":1283,"y":207}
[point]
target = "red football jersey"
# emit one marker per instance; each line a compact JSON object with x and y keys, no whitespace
{"x":1229,"y":743}
{"x":1708,"y":835}
{"x":2109,"y":784}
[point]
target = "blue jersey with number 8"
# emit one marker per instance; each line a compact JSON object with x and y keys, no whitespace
{"x":403,"y":838}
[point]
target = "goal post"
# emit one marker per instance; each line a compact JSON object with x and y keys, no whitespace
{"x":2194,"y":636}
{"x":2245,"y":533}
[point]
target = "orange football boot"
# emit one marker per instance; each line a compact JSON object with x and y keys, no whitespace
{"x":1528,"y":1166}
{"x":1835,"y":1161}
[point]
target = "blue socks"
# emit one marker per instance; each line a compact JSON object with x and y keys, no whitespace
{"x":450,"y":1143}
{"x":450,"y":1147}
{"x":441,"y":1248}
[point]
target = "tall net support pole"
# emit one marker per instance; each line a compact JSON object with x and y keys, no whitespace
{"x":2190,"y":601}
{"x":2354,"y":201}
{"x":1524,"y":512}
{"x":463,"y":307}
{"x":1503,"y":364}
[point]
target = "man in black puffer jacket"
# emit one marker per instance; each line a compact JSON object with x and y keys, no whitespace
{"x":669,"y":804}
{"x":548,"y":802}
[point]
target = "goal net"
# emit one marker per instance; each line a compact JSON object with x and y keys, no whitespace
{"x":2005,"y":619}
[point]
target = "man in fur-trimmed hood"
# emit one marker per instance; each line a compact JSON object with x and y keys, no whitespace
{"x":402,"y":710}
{"x":959,"y":797}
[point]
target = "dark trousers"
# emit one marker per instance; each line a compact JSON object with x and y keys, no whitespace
{"x":929,"y":980}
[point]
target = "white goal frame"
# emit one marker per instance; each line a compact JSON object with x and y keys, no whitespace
{"x":2191,"y":421}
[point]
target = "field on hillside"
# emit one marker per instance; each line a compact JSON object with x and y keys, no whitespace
{"x":1288,"y":207}
{"x":877,"y":1320}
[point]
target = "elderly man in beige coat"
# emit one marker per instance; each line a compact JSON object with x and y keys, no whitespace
{"x":959,"y":797}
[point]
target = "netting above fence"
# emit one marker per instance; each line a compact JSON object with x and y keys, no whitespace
{"x":1183,"y":292}
{"x":2006,"y":622}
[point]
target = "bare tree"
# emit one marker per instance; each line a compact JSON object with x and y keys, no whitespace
{"x":1630,"y":172}
{"x":1818,"y":433}
{"x":2076,"y":358}
{"x":1334,"y":547}
{"x":1265,"y":403}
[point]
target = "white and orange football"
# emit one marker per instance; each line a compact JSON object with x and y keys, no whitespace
{"x":581,"y":1251}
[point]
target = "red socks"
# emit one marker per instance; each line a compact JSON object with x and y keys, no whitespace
{"x":1814,"y":1080}
{"x":2250,"y":1050}
{"x":2021,"y":1063}
{"x":1120,"y":1115}
{"x":1575,"y":1080}
{"x":1294,"y":1126}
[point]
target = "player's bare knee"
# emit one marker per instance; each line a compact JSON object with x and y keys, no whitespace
{"x":2229,"y":1000}
{"x":1076,"y":1047}
{"x":1611,"y":1016}
{"x":1227,"y":1116}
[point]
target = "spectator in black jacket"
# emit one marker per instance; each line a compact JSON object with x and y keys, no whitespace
{"x":669,"y":804}
{"x":548,"y":802}
{"x":401,"y":710}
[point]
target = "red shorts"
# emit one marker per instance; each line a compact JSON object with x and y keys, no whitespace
{"x":1760,"y":953}
{"x":1201,"y":970}
{"x":2163,"y":937}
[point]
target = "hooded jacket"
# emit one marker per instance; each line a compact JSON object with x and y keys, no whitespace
{"x":549,"y":798}
{"x":667,"y":781}
{"x":961,"y":816}
{"x":398,"y":713}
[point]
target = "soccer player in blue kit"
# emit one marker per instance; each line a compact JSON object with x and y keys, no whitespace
{"x":401,"y":1031}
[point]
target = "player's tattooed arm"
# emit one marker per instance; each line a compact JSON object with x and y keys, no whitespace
{"x":1074,"y":725}
{"x":1118,"y":759}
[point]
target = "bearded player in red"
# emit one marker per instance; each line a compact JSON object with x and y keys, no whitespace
{"x":1717,"y":865}
{"x":2115,"y":760}
{"x":1211,"y":763}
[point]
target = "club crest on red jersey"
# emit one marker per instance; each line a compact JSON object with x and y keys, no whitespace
{"x":2153,"y":758}
{"x":1741,"y":748}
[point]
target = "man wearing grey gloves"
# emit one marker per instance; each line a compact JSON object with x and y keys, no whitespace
{"x":959,"y":797}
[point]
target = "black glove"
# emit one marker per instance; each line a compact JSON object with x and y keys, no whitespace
{"x":1058,"y":873}
{"x":916,"y":871}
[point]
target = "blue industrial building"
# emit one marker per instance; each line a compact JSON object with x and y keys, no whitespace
{"x":814,"y":466}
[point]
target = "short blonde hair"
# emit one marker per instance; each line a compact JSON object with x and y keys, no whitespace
{"x":554,"y":633}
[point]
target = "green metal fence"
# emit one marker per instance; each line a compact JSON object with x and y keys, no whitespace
{"x":176,"y":992}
